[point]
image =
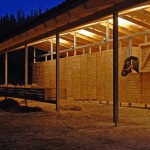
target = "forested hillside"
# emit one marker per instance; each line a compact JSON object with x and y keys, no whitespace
{"x":9,"y":24}
{"x":12,"y":22}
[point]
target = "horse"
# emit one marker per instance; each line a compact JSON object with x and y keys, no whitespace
{"x":130,"y":63}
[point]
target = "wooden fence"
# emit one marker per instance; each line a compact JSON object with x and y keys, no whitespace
{"x":39,"y":94}
{"x":90,"y":77}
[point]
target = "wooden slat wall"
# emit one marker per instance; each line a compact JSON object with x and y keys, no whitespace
{"x":100,"y":76}
{"x":145,"y":52}
{"x":52,"y":73}
{"x":122,"y":80}
{"x":83,"y":77}
{"x":68,"y":77}
{"x":90,"y":77}
{"x":75,"y":77}
{"x":133,"y":88}
{"x":62,"y":73}
{"x":91,"y":73}
{"x":145,"y":84}
{"x":108,"y":75}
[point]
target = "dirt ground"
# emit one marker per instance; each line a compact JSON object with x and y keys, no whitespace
{"x":77,"y":126}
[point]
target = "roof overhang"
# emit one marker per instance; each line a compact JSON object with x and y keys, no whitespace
{"x":83,"y":13}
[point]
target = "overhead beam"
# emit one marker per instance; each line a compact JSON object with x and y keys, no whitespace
{"x":105,"y":12}
{"x":89,"y":39}
{"x":135,"y":21}
{"x":97,"y":32}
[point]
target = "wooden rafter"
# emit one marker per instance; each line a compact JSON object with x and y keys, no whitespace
{"x":137,"y":22}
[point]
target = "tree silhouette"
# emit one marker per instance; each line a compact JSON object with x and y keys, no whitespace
{"x":10,"y":23}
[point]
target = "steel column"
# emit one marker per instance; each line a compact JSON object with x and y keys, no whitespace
{"x":115,"y":67}
{"x":57,"y":72}
{"x":6,"y":68}
{"x":34,"y":54}
{"x":26,"y":65}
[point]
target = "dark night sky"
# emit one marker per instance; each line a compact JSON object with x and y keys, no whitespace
{"x":12,"y":6}
{"x":16,"y":58}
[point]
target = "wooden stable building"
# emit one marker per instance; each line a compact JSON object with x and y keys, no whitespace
{"x":93,"y":37}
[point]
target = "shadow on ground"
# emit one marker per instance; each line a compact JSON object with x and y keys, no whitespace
{"x":10,"y":105}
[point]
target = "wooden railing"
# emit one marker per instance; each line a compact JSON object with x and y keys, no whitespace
{"x":39,"y":94}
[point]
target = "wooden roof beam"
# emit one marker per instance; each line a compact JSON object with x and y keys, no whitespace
{"x":79,"y":41}
{"x":86,"y":38}
{"x":139,"y":15}
{"x":130,"y":26}
{"x":136,"y":21}
{"x":63,"y":43}
{"x":103,"y":4}
{"x":97,"y":32}
{"x":90,"y":34}
{"x":124,"y":31}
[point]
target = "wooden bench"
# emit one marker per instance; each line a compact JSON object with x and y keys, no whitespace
{"x":39,"y":94}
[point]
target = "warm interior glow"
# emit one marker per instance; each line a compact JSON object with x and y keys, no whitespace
{"x":62,"y":41}
{"x":84,"y":32}
{"x":122,"y":22}
{"x":141,"y":7}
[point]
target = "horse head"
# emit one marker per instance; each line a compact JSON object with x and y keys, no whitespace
{"x":130,"y":63}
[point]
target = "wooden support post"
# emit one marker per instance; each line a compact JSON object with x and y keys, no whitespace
{"x":129,"y":104}
{"x":75,"y":53}
{"x":67,"y":55}
{"x":34,"y":53}
{"x":83,"y":51}
{"x":129,"y":52}
{"x":145,"y":60}
{"x":120,"y":103}
{"x":145,"y":38}
{"x":75,"y":43}
{"x":107,"y":34}
{"x":115,"y":67}
{"x":57,"y":72}
{"x":100,"y":48}
{"x":120,"y":43}
{"x":90,"y":50}
{"x":45,"y":58}
{"x":6,"y":68}
{"x":26,"y":65}
{"x":52,"y":49}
